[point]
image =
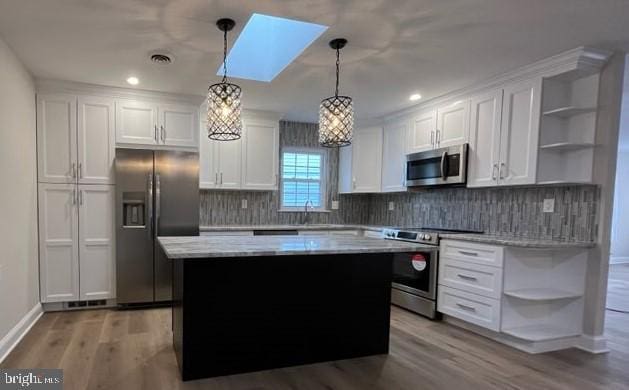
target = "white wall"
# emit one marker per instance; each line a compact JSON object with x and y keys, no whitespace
{"x":620,"y":222}
{"x":19,"y":275}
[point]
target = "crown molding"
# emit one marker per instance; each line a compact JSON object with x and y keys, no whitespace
{"x":73,"y":87}
{"x":581,"y":60}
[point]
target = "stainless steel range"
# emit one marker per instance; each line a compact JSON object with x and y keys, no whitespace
{"x":415,"y":273}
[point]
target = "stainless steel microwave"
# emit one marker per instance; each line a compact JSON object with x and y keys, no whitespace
{"x":437,"y":167}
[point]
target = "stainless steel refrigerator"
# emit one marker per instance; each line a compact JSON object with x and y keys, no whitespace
{"x":157,"y":194}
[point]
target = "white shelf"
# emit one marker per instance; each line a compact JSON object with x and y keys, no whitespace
{"x":540,"y":332}
{"x":563,"y":146}
{"x":542,"y":294}
{"x":567,"y":112}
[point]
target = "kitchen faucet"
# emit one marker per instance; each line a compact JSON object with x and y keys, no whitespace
{"x":306,"y":219}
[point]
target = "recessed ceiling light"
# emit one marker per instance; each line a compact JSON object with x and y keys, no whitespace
{"x":133,"y":80}
{"x":415,"y":97}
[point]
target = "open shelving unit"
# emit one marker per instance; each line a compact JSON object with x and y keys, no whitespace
{"x":567,"y":129}
{"x":543,"y":294}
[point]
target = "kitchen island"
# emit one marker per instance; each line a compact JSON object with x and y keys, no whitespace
{"x":251,"y":303}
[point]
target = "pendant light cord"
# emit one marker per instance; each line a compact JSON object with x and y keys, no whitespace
{"x":225,"y":56}
{"x":336,"y":90}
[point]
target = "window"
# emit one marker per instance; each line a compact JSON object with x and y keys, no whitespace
{"x":303,"y":179}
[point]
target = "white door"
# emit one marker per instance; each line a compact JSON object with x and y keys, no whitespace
{"x":136,"y":122}
{"x":520,"y":132}
{"x":367,"y":160}
{"x":208,"y":160}
{"x":421,"y":136}
{"x":58,"y":242}
{"x":484,"y":146}
{"x":260,"y":155}
{"x":56,"y":138}
{"x":96,"y":140}
{"x":394,"y":157}
{"x":178,"y":125}
{"x":96,"y":242}
{"x":453,"y":124}
{"x":229,"y":164}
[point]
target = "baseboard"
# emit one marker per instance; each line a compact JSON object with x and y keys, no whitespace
{"x":20,"y":329}
{"x":593,"y":344}
{"x":619,"y":260}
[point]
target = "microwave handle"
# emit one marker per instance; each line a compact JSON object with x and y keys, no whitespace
{"x":444,"y":157}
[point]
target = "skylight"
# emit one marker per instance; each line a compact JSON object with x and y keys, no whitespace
{"x":267,"y":45}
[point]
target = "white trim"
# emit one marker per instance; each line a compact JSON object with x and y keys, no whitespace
{"x":11,"y":339}
{"x":593,"y":344}
{"x":619,"y":260}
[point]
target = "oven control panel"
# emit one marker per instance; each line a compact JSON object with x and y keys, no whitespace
{"x":413,"y":236}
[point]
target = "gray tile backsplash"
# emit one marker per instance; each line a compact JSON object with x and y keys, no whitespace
{"x":514,"y":211}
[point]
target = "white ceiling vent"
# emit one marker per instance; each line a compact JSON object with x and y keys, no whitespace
{"x":161,"y":58}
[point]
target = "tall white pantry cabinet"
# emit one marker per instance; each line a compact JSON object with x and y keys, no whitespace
{"x":75,"y":153}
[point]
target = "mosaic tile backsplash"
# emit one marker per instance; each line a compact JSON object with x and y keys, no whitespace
{"x":514,"y":211}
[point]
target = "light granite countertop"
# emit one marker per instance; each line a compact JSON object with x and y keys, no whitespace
{"x":250,"y":246}
{"x":518,"y":241}
{"x":243,"y":228}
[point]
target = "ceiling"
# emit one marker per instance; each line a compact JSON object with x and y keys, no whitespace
{"x":396,"y":47}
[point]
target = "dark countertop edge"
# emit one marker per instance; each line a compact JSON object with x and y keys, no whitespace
{"x":290,"y":253}
{"x":519,"y":242}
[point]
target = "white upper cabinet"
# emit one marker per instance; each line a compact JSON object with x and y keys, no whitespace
{"x":96,"y":140}
{"x":422,"y":134}
{"x":208,"y":169}
{"x":452,"y":124}
{"x":229,"y":163}
{"x":156,"y":124}
{"x":58,"y":246}
{"x":520,"y":132}
{"x":394,"y":156}
{"x":136,"y":123}
{"x":260,"y":155}
{"x":484,"y":147}
{"x":360,"y":165}
{"x":178,"y":125}
{"x":96,"y":242}
{"x":56,"y":138}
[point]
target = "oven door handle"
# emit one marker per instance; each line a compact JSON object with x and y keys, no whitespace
{"x":444,"y":163}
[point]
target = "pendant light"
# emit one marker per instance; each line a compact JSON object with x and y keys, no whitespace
{"x":223,"y":99}
{"x":336,"y":113}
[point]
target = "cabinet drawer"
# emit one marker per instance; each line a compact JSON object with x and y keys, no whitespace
{"x":471,"y":277}
{"x":475,"y":309}
{"x":472,"y":252}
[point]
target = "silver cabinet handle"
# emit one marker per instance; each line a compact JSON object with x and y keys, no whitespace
{"x":80,"y":170}
{"x":74,"y":196}
{"x":466,"y":253}
{"x":73,"y":170}
{"x":81,"y":197}
{"x":432,"y":138}
{"x":444,"y":173}
{"x":221,"y":178}
{"x":156,"y":136}
{"x":467,"y":277}
{"x":493,"y":172}
{"x":149,"y":190}
{"x":500,"y":170}
{"x":163,"y":132}
{"x":466,"y":307}
{"x":215,"y":177}
{"x":158,"y":203}
{"x":438,"y":137}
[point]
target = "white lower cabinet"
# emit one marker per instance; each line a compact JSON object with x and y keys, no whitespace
{"x":473,"y":308}
{"x":76,"y":241}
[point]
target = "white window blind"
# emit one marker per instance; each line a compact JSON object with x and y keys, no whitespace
{"x":303,"y":179}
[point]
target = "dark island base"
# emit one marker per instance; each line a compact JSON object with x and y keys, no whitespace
{"x":236,"y":315}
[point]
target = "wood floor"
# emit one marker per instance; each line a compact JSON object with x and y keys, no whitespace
{"x":109,"y":349}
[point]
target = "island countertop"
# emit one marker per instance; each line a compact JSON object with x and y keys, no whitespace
{"x":252,"y":246}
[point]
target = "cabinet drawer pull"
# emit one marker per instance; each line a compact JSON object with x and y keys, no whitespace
{"x":466,"y":307}
{"x":467,"y":277}
{"x":466,"y":253}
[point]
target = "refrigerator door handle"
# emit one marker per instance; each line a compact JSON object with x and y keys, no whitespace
{"x":158,"y":202}
{"x":150,"y":204}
